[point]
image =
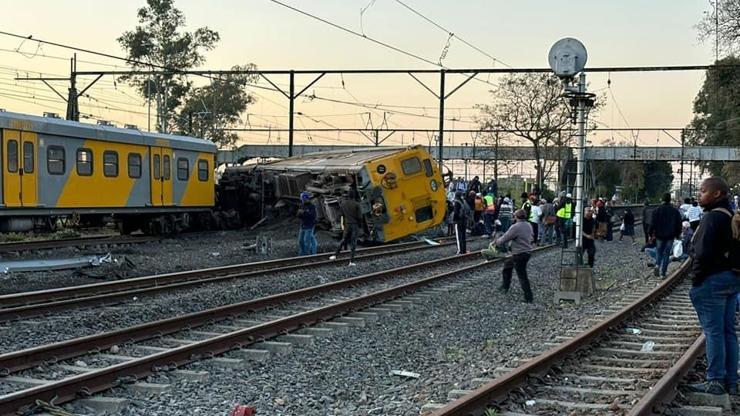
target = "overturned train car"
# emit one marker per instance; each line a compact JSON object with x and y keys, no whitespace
{"x":400,"y":189}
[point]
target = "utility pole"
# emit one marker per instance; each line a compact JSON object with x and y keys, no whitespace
{"x":680,"y":181}
{"x":72,"y":98}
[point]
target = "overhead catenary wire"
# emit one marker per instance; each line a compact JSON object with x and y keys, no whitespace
{"x":452,"y":34}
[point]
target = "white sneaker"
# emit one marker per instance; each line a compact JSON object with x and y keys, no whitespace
{"x":351,"y":264}
{"x":333,"y":257}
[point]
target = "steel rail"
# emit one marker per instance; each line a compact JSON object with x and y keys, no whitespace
{"x":476,"y":402}
{"x":665,"y":389}
{"x":35,"y":298}
{"x":70,"y":242}
{"x":99,"y":380}
{"x":28,"y":358}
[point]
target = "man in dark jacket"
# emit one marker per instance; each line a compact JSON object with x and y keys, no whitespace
{"x":460,"y":214}
{"x":646,"y":221}
{"x":715,"y":286}
{"x":351,"y":218}
{"x":306,"y":237}
{"x":665,"y":224}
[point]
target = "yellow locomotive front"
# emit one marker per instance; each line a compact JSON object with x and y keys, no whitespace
{"x":405,"y":193}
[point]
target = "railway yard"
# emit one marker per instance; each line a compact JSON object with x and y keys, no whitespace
{"x":412,"y":329}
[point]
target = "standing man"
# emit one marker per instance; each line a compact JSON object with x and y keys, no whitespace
{"x":548,"y":220}
{"x":666,"y":225}
{"x":646,"y":221}
{"x":306,"y":237}
{"x":564,"y":213}
{"x":589,"y":235}
{"x":351,"y":218}
{"x":715,"y":286}
{"x":505,"y":214}
{"x":520,"y":235}
{"x":460,"y":213}
{"x":489,"y":215}
{"x":694,"y":215}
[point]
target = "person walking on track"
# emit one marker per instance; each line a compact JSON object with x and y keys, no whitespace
{"x":520,"y":236}
{"x":666,"y":225}
{"x":351,"y":219}
{"x":307,"y":214}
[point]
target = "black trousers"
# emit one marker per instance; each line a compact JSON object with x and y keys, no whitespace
{"x":518,"y":262}
{"x":349,"y":238}
{"x":460,"y":230}
{"x":535,"y":232}
{"x":645,"y":228}
{"x":590,"y":248}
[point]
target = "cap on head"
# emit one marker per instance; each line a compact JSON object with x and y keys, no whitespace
{"x":305,"y":196}
{"x":686,"y":224}
{"x":568,"y":195}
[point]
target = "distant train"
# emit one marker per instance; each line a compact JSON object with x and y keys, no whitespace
{"x":400,"y":189}
{"x":55,"y":168}
{"x":161,"y":183}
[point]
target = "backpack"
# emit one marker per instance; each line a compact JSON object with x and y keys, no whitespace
{"x":733,"y":252}
{"x":465,"y":210}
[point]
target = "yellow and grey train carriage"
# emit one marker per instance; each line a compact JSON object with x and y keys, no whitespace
{"x":56,"y":168}
{"x":400,"y":189}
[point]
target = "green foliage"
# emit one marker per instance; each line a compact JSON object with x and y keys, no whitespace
{"x":213,"y":107}
{"x":158,"y":41}
{"x":492,"y":412}
{"x":717,"y":116}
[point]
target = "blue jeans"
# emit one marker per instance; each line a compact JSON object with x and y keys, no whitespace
{"x":306,"y":242}
{"x":663,"y":251}
{"x":650,"y":251}
{"x":715,"y":302}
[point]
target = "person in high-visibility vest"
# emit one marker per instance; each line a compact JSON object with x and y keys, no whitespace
{"x":564,"y":214}
{"x":489,"y":213}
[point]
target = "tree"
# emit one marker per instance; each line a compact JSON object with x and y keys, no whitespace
{"x":724,"y":26}
{"x":717,"y":116}
{"x":158,"y":43}
{"x":531,"y":107}
{"x":210,"y":109}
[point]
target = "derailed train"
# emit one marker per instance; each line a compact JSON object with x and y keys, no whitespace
{"x":400,"y":189}
{"x":161,"y":183}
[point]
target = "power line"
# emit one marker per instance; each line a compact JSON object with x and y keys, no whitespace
{"x":360,"y":35}
{"x":452,"y":34}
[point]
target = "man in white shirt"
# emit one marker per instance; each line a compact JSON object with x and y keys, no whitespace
{"x":684,"y":208}
{"x":693,"y":214}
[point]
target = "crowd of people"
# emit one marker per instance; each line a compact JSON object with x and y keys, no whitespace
{"x":705,"y":230}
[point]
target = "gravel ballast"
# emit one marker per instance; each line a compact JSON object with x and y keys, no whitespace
{"x":448,"y":339}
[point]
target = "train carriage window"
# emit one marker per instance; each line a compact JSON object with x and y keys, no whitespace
{"x":28,"y":157}
{"x":55,"y":160}
{"x":110,"y":164}
{"x":84,"y":162}
{"x":428,"y":170}
{"x":166,"y":168}
{"x":12,"y":156}
{"x":134,"y":165}
{"x":156,"y":167}
{"x":411,"y":166}
{"x":183,"y":169}
{"x":202,"y":170}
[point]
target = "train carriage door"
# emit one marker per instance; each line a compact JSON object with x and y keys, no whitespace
{"x":161,"y":179}
{"x":156,"y":175}
{"x":28,"y":169}
{"x":19,"y":164}
{"x":167,"y":176}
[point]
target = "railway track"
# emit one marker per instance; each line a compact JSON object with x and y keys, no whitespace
{"x":174,"y":342}
{"x":30,"y":304}
{"x":628,"y":363}
{"x":97,"y":240}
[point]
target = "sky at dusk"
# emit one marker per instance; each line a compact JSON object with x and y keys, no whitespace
{"x":518,"y":34}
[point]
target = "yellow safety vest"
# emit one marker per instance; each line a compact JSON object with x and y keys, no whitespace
{"x":564,"y":212}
